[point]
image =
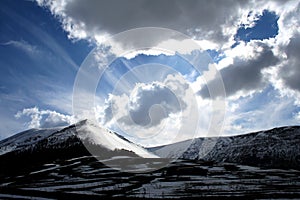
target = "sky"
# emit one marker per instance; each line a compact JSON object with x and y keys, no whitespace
{"x":63,"y":61}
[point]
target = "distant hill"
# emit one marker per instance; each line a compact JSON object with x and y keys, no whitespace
{"x":278,"y":147}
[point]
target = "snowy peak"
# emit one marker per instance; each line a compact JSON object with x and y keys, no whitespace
{"x":278,"y":147}
{"x":89,"y":132}
{"x":81,"y":135}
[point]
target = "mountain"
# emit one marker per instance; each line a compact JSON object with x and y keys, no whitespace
{"x":25,"y":139}
{"x":81,"y":139}
{"x":278,"y":147}
{"x":55,"y":164}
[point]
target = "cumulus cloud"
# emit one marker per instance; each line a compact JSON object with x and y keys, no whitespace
{"x":44,"y":118}
{"x":284,"y":77}
{"x":148,"y":103}
{"x":213,"y":20}
{"x":160,"y":109}
{"x":212,"y":24}
{"x":290,"y":72}
{"x":246,"y":68}
{"x":145,"y":96}
{"x":244,"y":74}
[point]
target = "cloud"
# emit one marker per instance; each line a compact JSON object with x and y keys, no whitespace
{"x":290,"y":72}
{"x":297,"y":116}
{"x":284,"y":77}
{"x":22,"y":45}
{"x":247,"y":68}
{"x":213,"y":20}
{"x":142,"y":103}
{"x":212,"y":24}
{"x":39,"y":34}
{"x":152,"y":113}
{"x":244,"y":74}
{"x":44,"y":118}
{"x":148,"y":103}
{"x":271,"y":111}
{"x":58,"y":98}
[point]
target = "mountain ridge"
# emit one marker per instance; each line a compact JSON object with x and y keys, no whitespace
{"x":80,"y":139}
{"x":277,"y":147}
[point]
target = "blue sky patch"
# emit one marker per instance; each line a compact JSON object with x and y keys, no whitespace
{"x":265,"y":27}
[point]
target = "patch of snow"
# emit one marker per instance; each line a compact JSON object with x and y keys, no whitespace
{"x":173,"y":150}
{"x":100,"y":136}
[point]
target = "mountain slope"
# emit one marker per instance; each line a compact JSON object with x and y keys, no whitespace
{"x":25,"y":138}
{"x":57,"y":165}
{"x":73,"y":139}
{"x":278,"y":148}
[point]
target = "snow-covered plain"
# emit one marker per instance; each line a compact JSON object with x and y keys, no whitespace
{"x":86,"y":178}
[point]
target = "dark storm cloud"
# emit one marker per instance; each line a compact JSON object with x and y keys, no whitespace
{"x":290,"y":73}
{"x":243,"y":75}
{"x":114,"y":16}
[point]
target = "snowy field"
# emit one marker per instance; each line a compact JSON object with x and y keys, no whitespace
{"x":85,"y":177}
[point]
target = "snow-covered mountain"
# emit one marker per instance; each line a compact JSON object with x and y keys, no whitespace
{"x":24,"y":139}
{"x":278,"y":147}
{"x":54,"y":163}
{"x":74,"y":138}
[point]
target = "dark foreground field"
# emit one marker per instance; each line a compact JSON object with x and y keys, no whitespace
{"x":86,"y":178}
